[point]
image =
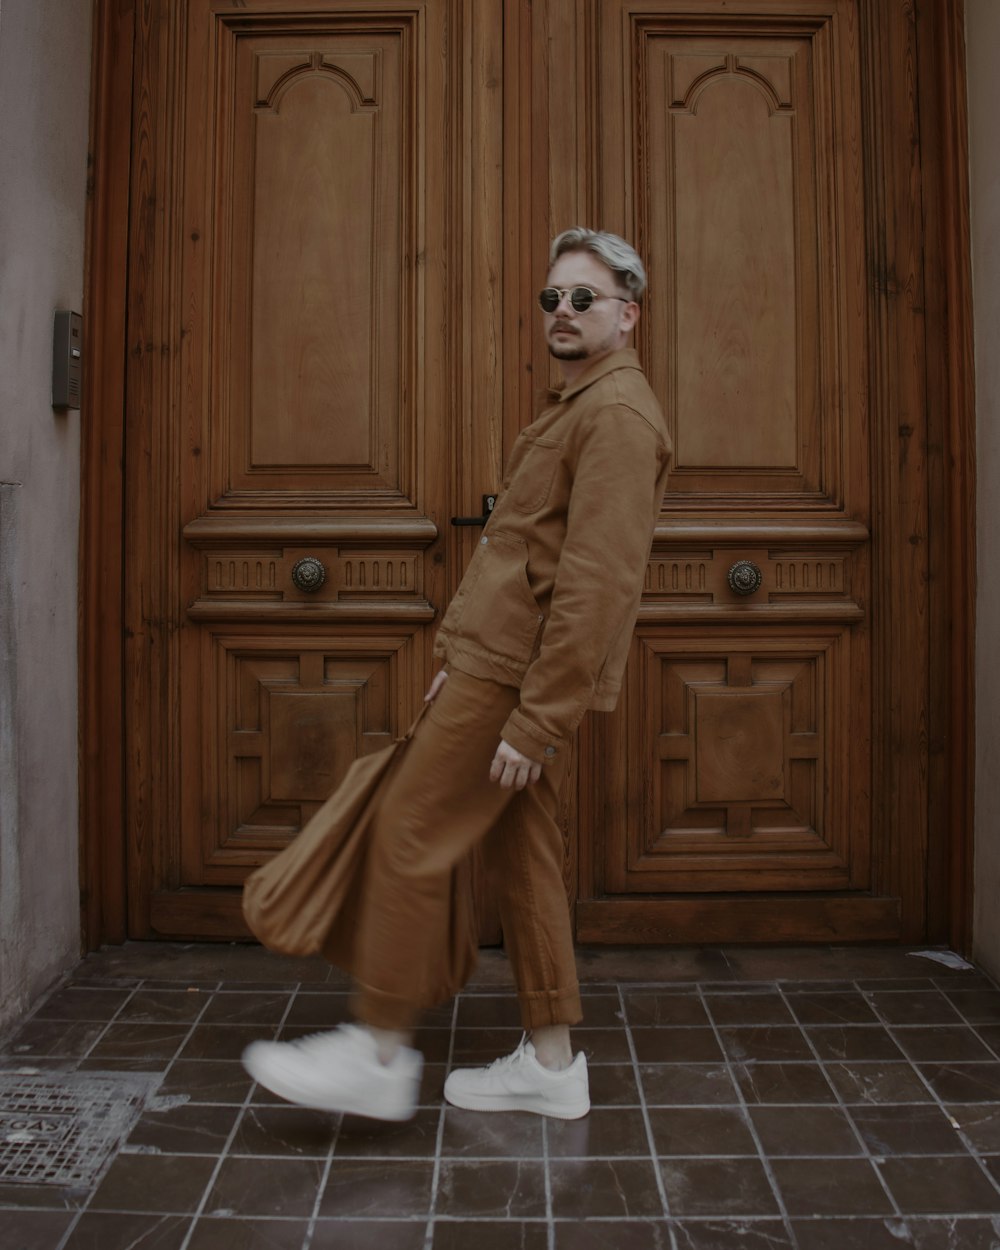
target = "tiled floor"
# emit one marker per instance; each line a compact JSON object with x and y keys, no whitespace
{"x":825,"y":1099}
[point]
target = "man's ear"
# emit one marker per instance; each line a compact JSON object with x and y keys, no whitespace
{"x":628,"y":317}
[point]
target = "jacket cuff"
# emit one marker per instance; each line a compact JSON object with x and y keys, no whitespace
{"x":525,"y":736}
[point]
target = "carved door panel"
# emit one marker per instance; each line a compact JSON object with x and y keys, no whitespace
{"x":740,"y":753}
{"x":294,"y":452}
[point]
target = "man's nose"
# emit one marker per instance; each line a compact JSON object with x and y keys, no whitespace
{"x":564,"y":302}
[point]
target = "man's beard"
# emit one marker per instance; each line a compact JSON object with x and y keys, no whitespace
{"x":567,"y":352}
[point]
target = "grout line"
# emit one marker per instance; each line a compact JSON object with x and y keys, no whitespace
{"x":845,"y":1109}
{"x":550,"y":1228}
{"x":742,"y":1103}
{"x":210,"y":1184}
{"x":439,"y":1141}
{"x":939,"y":1102}
{"x":654,"y":1158}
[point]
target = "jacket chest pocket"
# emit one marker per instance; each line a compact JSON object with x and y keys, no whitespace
{"x":531,"y":482}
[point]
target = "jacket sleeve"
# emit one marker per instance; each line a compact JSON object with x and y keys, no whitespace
{"x":609,"y":530}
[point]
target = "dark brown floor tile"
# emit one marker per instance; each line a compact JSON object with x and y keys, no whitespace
{"x":977,"y":1006}
{"x":246,"y":1008}
{"x":34,"y":1230}
{"x":488,"y":1011}
{"x":980,"y":1125}
{"x":717,"y":1187}
{"x":70,"y":1039}
{"x":732,"y":1235}
{"x":262,"y":1187}
{"x":214,"y":1234}
{"x":651,"y":1007}
{"x":760,"y":1008}
{"x":183,"y":986}
{"x":294,"y":1132}
{"x":842,"y":1007}
{"x":949,"y":1185}
{"x":701,"y":1131}
{"x":222,"y":1041}
{"x":603,"y":1235}
{"x":478,"y":1046}
{"x":676,"y":1045}
{"x":499,"y":1189}
{"x":188,"y":1129}
{"x":369,"y":1235}
{"x":164,"y":1006}
{"x":852,"y":1233}
{"x":770,"y":1083}
{"x":837,"y":1187}
{"x":140,"y":1041}
{"x":602,"y":1045}
{"x":207,"y":1080}
{"x":990,"y":1033}
{"x":896,"y":1234}
{"x":853,"y":1041}
{"x":818,"y":1131}
{"x":486,"y":1235}
{"x":877,"y":1082}
{"x":432,"y":1084}
{"x":77,"y":1003}
{"x":654,"y":964}
{"x":963,"y":1082}
{"x":365,"y":1139}
{"x":914,"y":1007}
{"x":42,"y":1197}
{"x":433,"y":1044}
{"x":682,"y":1084}
{"x":370,"y":1188}
{"x":938,"y":1042}
{"x":907,"y":1130}
{"x":499,"y":1135}
{"x":765,"y":1043}
{"x":319,"y":1011}
{"x":601,"y":1011}
{"x":154,"y":1183}
{"x":585,"y":1188}
{"x":211,"y":961}
{"x":613,"y":1085}
{"x":609,"y":1134}
{"x":106,"y":1230}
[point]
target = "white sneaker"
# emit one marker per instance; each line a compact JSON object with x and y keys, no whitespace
{"x":338,"y":1071}
{"x":518,"y":1082}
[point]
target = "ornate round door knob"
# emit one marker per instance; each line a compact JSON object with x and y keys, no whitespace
{"x":309,"y":574}
{"x":745,"y":578}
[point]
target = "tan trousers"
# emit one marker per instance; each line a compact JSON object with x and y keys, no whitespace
{"x":437,"y":806}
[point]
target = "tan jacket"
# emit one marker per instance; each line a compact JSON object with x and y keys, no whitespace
{"x":550,"y":597}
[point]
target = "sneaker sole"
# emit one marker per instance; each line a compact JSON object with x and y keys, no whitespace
{"x":505,"y":1102}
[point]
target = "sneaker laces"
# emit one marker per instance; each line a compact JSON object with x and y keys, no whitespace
{"x":517,"y":1056}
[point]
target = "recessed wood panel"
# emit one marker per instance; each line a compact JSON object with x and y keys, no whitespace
{"x":314,"y":184}
{"x":282,"y":719}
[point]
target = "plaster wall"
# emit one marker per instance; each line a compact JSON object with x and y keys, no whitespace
{"x":982,"y":43}
{"x":44,"y":102}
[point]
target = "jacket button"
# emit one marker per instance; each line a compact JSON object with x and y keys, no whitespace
{"x":484,"y":540}
{"x":550,"y":750}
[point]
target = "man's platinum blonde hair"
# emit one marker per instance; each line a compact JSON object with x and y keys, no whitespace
{"x":619,"y":256}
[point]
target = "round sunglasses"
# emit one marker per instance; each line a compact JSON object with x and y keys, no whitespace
{"x":581,"y":298}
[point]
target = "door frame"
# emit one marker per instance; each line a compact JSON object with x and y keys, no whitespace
{"x":920,"y":294}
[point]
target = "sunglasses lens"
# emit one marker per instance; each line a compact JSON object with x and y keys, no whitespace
{"x":548,"y":300}
{"x":581,"y":297}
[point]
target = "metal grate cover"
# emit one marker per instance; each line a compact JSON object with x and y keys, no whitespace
{"x":58,"y":1128}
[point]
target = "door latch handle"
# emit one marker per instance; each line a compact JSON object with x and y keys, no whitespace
{"x":489,"y":503}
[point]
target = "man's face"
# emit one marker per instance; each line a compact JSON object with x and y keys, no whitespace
{"x":604,"y":327}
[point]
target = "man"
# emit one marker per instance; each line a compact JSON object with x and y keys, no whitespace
{"x":537,"y":633}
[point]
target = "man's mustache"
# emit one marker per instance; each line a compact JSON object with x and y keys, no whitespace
{"x":566,"y":327}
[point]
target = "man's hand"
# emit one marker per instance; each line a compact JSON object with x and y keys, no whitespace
{"x":435,"y":686}
{"x":512,"y":769}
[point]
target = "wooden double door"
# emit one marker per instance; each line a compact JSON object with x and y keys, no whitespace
{"x":339,"y":216}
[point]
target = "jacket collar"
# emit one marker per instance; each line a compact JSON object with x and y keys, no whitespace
{"x":625,"y":358}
